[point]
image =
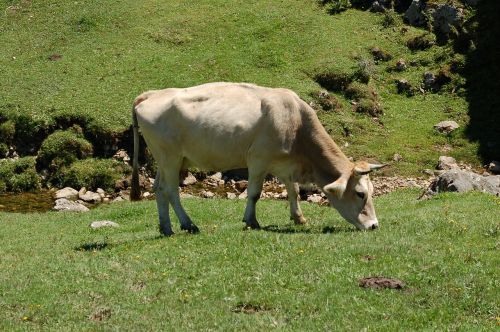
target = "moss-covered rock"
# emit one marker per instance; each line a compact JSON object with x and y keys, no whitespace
{"x":19,"y":175}
{"x":91,"y":173}
{"x":61,"y":148}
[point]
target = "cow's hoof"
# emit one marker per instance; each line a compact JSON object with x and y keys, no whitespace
{"x":192,"y":229}
{"x":166,"y":232}
{"x":300,"y":221}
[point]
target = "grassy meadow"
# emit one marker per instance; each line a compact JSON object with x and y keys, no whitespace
{"x":57,"y":274}
{"x":66,"y":62}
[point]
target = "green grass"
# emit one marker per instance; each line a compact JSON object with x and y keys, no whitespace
{"x":110,"y":52}
{"x":58,"y":274}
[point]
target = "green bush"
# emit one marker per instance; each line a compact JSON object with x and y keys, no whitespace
{"x":91,"y":173}
{"x":365,"y":70}
{"x":4,"y":149}
{"x":7,"y":131}
{"x":369,"y":106}
{"x":19,"y":175}
{"x":336,"y":6}
{"x":62,"y":148}
{"x":333,"y":80}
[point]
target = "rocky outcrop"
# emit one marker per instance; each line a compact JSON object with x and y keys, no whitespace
{"x":457,"y":180}
{"x":63,"y":204}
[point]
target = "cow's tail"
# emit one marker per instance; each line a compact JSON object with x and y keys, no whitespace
{"x":135,"y":190}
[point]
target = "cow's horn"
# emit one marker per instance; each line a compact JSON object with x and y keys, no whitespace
{"x":367,"y":168}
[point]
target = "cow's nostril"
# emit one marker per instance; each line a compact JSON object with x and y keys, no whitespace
{"x":374,"y":226}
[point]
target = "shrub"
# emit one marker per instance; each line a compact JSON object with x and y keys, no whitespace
{"x":4,"y":150}
{"x":91,"y":173}
{"x":366,"y":69}
{"x":19,"y":175}
{"x":358,"y":91}
{"x":336,"y":6}
{"x":421,"y":42}
{"x":369,"y":106}
{"x":7,"y":131}
{"x":62,"y":148}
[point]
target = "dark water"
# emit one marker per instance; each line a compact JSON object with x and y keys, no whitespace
{"x":41,"y":201}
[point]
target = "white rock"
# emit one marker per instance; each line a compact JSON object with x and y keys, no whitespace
{"x":243,"y":195}
{"x":146,"y":194}
{"x":90,"y":197}
{"x":446,"y":163}
{"x":101,"y":192}
{"x":189,"y":180}
{"x":231,"y":195}
{"x":207,"y":194}
{"x":315,"y":198}
{"x":446,"y":126}
{"x":62,"y":204}
{"x":103,"y":223}
{"x":68,"y":193}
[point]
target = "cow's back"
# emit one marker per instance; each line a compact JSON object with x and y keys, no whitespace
{"x":219,"y":126}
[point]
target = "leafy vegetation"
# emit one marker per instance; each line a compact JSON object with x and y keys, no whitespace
{"x":58,"y":274}
{"x":88,"y":63}
{"x":19,"y":175}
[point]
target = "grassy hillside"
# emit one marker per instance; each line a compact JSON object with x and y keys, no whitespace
{"x":66,"y":62}
{"x":57,"y":274}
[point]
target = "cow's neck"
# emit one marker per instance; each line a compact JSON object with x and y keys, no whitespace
{"x":320,"y":155}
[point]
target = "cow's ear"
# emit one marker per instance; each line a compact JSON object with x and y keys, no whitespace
{"x":336,"y":188}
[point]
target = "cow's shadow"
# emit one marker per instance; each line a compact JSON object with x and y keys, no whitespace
{"x":293,"y":229}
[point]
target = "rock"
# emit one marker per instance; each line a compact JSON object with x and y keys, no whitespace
{"x":401,"y":65}
{"x":380,"y":55}
{"x":397,"y":157}
{"x":243,"y":195}
{"x":447,"y":163}
{"x":103,"y":223}
{"x":63,"y":204}
{"x":118,"y":199}
{"x":216,"y":177}
{"x":231,"y":195}
{"x":207,"y":194}
{"x":463,"y":181}
{"x":121,"y":184}
{"x":68,"y":193}
{"x":146,"y":194}
{"x":376,"y":7}
{"x":444,"y":17}
{"x":101,"y":192}
{"x":429,"y":80}
{"x":241,"y":185}
{"x":122,"y":156}
{"x":446,"y":126}
{"x":89,"y":196}
{"x":315,"y":198}
{"x":494,"y":167}
{"x":186,"y":195}
{"x":404,"y":86}
{"x":415,"y":15}
{"x":189,"y":180}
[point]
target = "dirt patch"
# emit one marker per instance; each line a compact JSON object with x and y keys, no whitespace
{"x":381,"y":282}
{"x":367,"y":258}
{"x":100,"y":314}
{"x":55,"y":57}
{"x":249,"y":308}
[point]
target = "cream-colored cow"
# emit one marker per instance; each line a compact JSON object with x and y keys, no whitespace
{"x":223,"y":126}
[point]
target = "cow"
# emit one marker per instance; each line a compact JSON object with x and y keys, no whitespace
{"x":224,"y":126}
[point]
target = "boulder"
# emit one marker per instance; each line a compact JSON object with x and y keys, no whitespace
{"x":446,"y":126}
{"x":207,"y":194}
{"x":103,"y":223}
{"x":63,"y":204}
{"x":415,"y":15}
{"x":444,"y":17}
{"x":446,"y":163}
{"x":463,"y":181}
{"x":68,"y":193}
{"x":89,"y":196}
{"x":231,"y":195}
{"x":189,"y":180}
{"x":122,"y":156}
{"x":494,"y":167}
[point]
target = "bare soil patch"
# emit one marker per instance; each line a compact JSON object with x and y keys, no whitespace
{"x":381,"y":282}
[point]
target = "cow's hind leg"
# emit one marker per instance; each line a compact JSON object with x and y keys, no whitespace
{"x":292,"y":189}
{"x":255,"y":182}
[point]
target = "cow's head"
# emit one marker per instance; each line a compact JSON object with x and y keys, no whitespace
{"x":351,"y":195}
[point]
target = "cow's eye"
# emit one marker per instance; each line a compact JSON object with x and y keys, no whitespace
{"x":360,"y":194}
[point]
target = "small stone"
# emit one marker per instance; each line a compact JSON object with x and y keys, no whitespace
{"x":62,"y":204}
{"x":231,"y":195}
{"x":314,"y":198}
{"x":118,"y":199}
{"x":103,"y":223}
{"x":190,"y":179}
{"x":101,"y":192}
{"x":146,"y":194}
{"x":446,"y":126}
{"x":68,"y":193}
{"x":207,"y":194}
{"x":243,"y":195}
{"x":105,"y":200}
{"x":403,"y":86}
{"x":401,"y":65}
{"x":186,"y":195}
{"x":241,"y":185}
{"x":429,"y":80}
{"x":122,"y":155}
{"x":397,"y":157}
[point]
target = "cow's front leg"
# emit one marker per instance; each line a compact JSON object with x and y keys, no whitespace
{"x":292,"y":189}
{"x":255,"y":182}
